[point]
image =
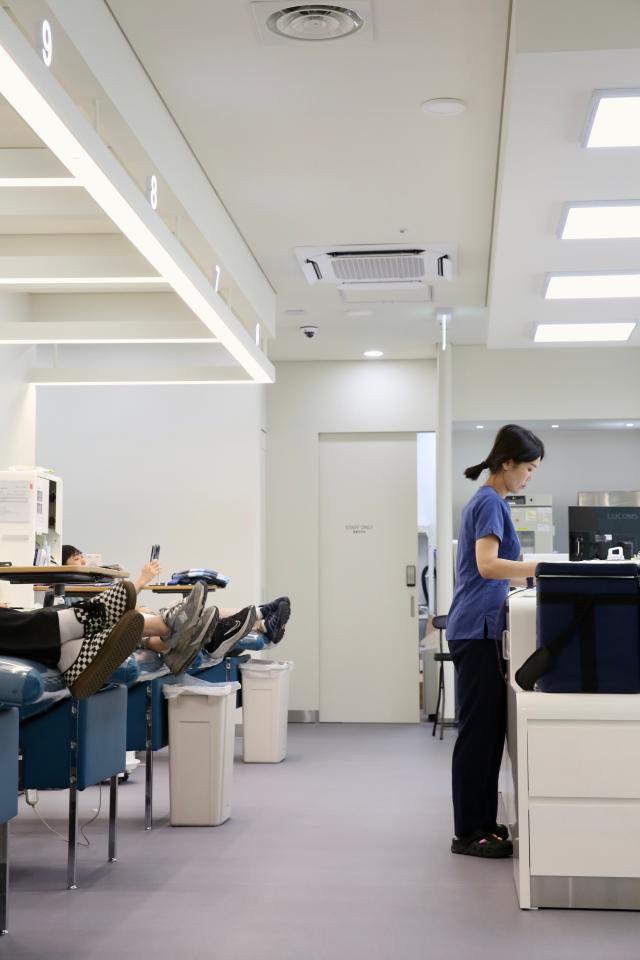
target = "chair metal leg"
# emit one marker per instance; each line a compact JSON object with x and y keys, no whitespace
{"x":72,"y":857}
{"x":113,"y":818}
{"x":148,"y":762}
{"x":4,"y":878}
{"x":437,"y":713}
{"x":444,"y":712}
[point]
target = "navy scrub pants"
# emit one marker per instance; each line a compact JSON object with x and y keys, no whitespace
{"x":482,"y":725}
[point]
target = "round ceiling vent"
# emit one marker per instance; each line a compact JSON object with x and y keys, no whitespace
{"x":314,"y":21}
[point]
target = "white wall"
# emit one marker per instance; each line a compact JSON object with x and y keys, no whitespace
{"x":508,"y":386}
{"x":17,"y":397}
{"x":309,"y":399}
{"x":427,"y":480}
{"x":574,"y":460}
{"x":180,"y":466}
{"x":17,"y":408}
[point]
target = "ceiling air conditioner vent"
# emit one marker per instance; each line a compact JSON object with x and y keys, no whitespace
{"x":389,"y":267}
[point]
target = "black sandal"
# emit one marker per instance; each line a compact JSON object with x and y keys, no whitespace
{"x":489,"y":846}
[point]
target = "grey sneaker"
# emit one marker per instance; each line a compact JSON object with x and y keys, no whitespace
{"x":189,"y":642}
{"x":186,"y":613}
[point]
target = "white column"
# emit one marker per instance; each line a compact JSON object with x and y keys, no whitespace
{"x":444,"y":505}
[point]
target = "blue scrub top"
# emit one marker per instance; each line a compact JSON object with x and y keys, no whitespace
{"x":477,"y":602}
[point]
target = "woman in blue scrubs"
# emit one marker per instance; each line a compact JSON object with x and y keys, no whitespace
{"x":488,"y":552}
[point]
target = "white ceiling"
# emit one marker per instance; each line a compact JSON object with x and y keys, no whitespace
{"x":321,"y":144}
{"x":311,"y":144}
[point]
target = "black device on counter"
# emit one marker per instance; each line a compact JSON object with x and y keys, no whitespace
{"x":155,"y":551}
{"x":593,"y":531}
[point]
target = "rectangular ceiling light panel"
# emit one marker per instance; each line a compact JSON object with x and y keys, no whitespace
{"x":583,"y":332}
{"x":613,"y":119}
{"x":587,"y":286}
{"x":619,"y":219}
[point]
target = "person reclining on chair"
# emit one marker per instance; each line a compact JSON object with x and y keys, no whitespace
{"x":179,"y":632}
{"x":86,"y":642}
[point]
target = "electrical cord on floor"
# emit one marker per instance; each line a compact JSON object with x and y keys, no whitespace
{"x":33,"y":804}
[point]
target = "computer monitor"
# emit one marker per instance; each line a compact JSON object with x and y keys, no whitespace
{"x":594,"y":530}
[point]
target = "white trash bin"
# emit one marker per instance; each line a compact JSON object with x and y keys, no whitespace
{"x":265,"y":709}
{"x":201,"y":742}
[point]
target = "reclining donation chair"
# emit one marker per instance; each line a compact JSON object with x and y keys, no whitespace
{"x":72,"y":744}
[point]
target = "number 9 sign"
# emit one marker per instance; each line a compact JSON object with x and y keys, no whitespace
{"x":46,"y":43}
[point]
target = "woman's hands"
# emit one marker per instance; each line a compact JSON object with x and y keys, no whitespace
{"x":149,"y":572}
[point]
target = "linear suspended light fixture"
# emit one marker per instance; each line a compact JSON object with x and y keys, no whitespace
{"x":592,"y":286}
{"x":80,"y":281}
{"x":613,"y":119}
{"x":606,"y":220}
{"x":35,"y":94}
{"x":37,"y":182}
{"x":583,"y":332}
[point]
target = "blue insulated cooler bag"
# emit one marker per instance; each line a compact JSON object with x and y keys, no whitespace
{"x":588,"y":629}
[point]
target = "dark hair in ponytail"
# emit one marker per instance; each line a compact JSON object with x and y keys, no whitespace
{"x":511,"y":443}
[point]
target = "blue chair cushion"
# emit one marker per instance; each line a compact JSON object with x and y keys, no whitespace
{"x":45,"y":741}
{"x":24,"y":681}
{"x":8,"y":764}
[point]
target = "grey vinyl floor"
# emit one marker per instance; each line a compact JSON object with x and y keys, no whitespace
{"x":339,"y":853}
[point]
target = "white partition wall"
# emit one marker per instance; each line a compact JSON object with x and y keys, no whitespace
{"x":309,"y":399}
{"x":179,"y":466}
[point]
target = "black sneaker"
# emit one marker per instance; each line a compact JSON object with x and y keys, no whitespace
{"x":229,"y":630}
{"x":489,"y":846}
{"x":275,"y":623}
{"x":267,"y":609}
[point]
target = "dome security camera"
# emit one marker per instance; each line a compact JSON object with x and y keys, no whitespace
{"x":309,"y":332}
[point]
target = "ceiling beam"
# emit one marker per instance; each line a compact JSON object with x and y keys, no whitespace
{"x":33,"y":166}
{"x":46,"y":376}
{"x":37,"y":96}
{"x":102,"y":332}
{"x":97,"y":36}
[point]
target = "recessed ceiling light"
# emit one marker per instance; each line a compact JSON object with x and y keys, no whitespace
{"x":600,"y":221}
{"x":314,"y":21}
{"x":555,"y":426}
{"x":592,"y":286}
{"x":614,"y":119}
{"x":629,"y":424}
{"x":480,"y":426}
{"x":373,"y":353}
{"x":359,"y":313}
{"x":294,"y":311}
{"x":583,"y":332}
{"x":444,"y":106}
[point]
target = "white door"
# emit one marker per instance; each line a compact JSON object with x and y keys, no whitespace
{"x":368,"y":614}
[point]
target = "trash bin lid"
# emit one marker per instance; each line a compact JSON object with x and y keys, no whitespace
{"x":201,"y":689}
{"x":260,"y":667}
